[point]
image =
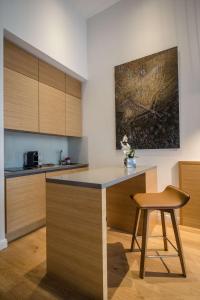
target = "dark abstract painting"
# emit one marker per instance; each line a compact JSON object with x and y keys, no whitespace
{"x":147,"y":101}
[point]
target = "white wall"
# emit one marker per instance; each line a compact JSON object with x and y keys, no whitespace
{"x":51,"y":26}
{"x":129,"y":30}
{"x":54,"y":29}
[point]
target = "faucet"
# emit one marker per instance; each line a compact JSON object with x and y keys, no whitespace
{"x":60,"y":157}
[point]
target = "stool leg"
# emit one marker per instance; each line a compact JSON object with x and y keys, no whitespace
{"x":178,"y":240}
{"x":135,"y":228}
{"x":164,"y":230}
{"x":144,"y":242}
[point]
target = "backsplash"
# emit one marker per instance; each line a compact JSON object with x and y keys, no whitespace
{"x":16,"y":143}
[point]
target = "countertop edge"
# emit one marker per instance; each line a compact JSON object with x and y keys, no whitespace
{"x":97,"y":185}
{"x":40,"y":171}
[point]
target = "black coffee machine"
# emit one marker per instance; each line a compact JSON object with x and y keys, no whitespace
{"x":31,"y":159}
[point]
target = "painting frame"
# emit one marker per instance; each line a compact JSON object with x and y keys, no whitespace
{"x":147,"y":101}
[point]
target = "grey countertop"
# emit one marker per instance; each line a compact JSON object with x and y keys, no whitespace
{"x":101,"y":177}
{"x":43,"y":170}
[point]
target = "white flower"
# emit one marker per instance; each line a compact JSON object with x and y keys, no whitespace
{"x":126,"y":148}
{"x":125,"y":139}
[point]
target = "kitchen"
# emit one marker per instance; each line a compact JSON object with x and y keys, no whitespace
{"x":47,"y":113}
{"x":68,"y":195}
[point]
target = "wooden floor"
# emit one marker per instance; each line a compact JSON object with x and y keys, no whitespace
{"x":22,"y":271}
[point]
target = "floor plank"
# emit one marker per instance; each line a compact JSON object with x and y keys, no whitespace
{"x":23,"y":267}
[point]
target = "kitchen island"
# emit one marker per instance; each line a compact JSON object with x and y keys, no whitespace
{"x":80,"y":206}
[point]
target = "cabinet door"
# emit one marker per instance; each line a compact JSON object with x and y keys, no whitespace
{"x":73,"y":86}
{"x":25,"y":204}
{"x":20,"y":61}
{"x":190,"y":183}
{"x":51,"y":76}
{"x":20,"y":102}
{"x":51,"y":110}
{"x":73,"y":116}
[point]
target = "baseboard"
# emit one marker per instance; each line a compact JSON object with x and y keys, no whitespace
{"x":3,"y":244}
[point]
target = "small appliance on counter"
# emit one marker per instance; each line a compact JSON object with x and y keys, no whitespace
{"x":31,"y":159}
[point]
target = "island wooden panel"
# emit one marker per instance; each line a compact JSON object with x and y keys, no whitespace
{"x":189,"y":173}
{"x":73,"y":116}
{"x":73,"y":86}
{"x":20,"y":102}
{"x":63,"y":172}
{"x":76,"y":238}
{"x":25,"y":204}
{"x":19,"y":60}
{"x":121,"y":208}
{"x":52,"y":108}
{"x":51,"y":76}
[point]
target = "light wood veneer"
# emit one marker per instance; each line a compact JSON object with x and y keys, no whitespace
{"x":59,"y":95}
{"x":120,"y":207}
{"x":20,"y":102}
{"x":189,"y":174}
{"x":73,"y":116}
{"x":73,"y":86}
{"x":51,"y":76}
{"x":76,"y":222}
{"x":25,"y":204}
{"x":52,"y":108}
{"x":19,"y":60}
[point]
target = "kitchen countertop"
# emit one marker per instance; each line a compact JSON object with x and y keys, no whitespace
{"x":43,"y":170}
{"x":101,"y":177}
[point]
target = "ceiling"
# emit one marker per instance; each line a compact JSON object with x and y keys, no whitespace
{"x":89,"y":8}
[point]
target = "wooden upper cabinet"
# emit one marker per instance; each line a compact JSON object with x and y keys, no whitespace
{"x":73,"y":86}
{"x":51,"y":76}
{"x":51,"y":110}
{"x":20,"y":102}
{"x":19,"y":60}
{"x":55,"y":109}
{"x":73,"y":116}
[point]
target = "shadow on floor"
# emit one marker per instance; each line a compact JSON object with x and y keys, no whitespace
{"x":49,"y":288}
{"x":117,"y":264}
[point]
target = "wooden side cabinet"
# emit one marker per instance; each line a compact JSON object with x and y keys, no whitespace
{"x":25,"y":204}
{"x":20,"y":102}
{"x":189,"y":176}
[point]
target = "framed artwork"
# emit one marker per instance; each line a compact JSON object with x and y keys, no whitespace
{"x":147,"y":101}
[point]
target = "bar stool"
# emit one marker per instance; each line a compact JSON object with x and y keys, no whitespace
{"x":167,"y":201}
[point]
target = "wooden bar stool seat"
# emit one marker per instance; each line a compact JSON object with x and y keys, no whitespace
{"x":167,"y":201}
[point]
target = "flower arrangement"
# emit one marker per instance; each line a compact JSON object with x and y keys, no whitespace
{"x":129,"y":153}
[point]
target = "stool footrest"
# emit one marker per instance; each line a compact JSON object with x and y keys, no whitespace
{"x":163,"y":256}
{"x":157,"y":236}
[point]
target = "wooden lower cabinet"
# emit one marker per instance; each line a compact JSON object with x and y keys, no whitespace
{"x":25,"y":204}
{"x":189,"y":176}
